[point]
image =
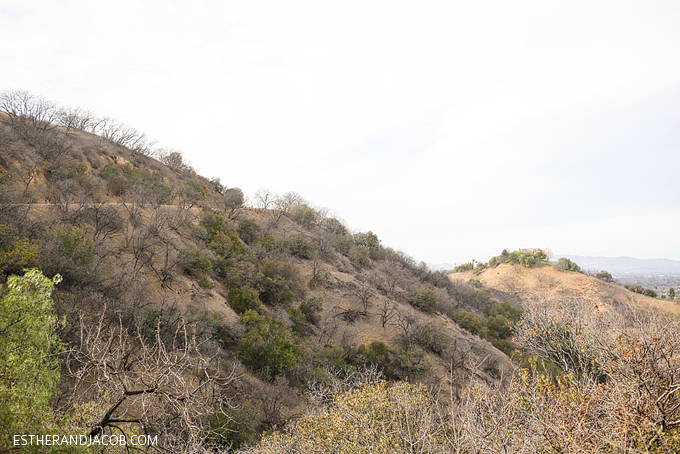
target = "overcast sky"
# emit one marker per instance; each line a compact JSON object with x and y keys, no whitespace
{"x":451,"y":129}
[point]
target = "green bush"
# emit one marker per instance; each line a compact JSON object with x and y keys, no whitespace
{"x":499,"y":327}
{"x":248,"y":230}
{"x":376,"y":353}
{"x":360,"y":256}
{"x":301,"y":246}
{"x":370,"y":242}
{"x":233,"y":200}
{"x":29,"y":367}
{"x":424,"y":299}
{"x":240,"y":273}
{"x":278,"y":283}
{"x":297,"y":318}
{"x":304,"y":315}
{"x":343,"y":243}
{"x":205,"y":282}
{"x":123,"y":177}
{"x":505,"y":309}
{"x":194,"y":263}
{"x":432,"y":337}
{"x":233,"y":428}
{"x":217,"y":185}
{"x":227,"y":244}
{"x":267,"y":347}
{"x":16,"y":253}
{"x":303,"y":215}
{"x":476,"y":283}
{"x":66,"y":251}
{"x":520,"y":258}
{"x":471,"y":322}
{"x":213,"y":223}
{"x":242,"y":299}
{"x":311,"y":308}
{"x":604,"y":276}
{"x":565,"y":264}
{"x":411,"y":361}
{"x":464,"y":267}
{"x":637,"y":288}
{"x":72,"y":170}
{"x":193,"y":191}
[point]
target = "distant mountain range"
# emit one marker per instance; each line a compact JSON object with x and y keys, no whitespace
{"x":441,"y":266}
{"x":625,"y":265}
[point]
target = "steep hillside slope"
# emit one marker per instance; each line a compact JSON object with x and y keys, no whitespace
{"x":168,"y":274}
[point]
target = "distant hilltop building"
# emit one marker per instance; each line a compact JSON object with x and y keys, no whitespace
{"x":531,"y":250}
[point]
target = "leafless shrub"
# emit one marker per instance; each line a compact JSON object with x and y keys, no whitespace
{"x":364,"y":293}
{"x":130,"y":383}
{"x":124,"y":136}
{"x":33,"y":118}
{"x":406,"y":324}
{"x":264,"y":199}
{"x":387,"y":311}
{"x":328,"y":330}
{"x":274,"y":402}
{"x":76,"y":118}
{"x":319,"y":274}
{"x":564,"y":333}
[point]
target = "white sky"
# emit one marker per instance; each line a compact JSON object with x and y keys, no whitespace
{"x":452,"y":129}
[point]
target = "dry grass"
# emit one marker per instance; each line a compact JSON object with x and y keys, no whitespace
{"x":516,"y":283}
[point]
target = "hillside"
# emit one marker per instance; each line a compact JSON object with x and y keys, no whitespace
{"x":169,"y":274}
{"x":141,"y":300}
{"x":519,"y":284}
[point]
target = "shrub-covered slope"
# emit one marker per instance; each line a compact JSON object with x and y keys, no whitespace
{"x":192,"y":314}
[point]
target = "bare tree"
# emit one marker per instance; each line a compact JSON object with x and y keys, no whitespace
{"x":289,"y":200}
{"x":264,"y":199}
{"x":159,"y":388}
{"x":76,"y":118}
{"x":28,"y":173}
{"x":387,"y":312}
{"x":394,"y":278}
{"x":562,"y":333}
{"x":33,"y":118}
{"x":328,"y":329}
{"x":319,"y":275}
{"x":124,"y":136}
{"x":30,"y":115}
{"x":364,"y":293}
{"x":64,"y":196}
{"x":105,"y":221}
{"x":407,"y":324}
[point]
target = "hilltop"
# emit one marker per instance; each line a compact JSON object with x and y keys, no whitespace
{"x":520,"y":284}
